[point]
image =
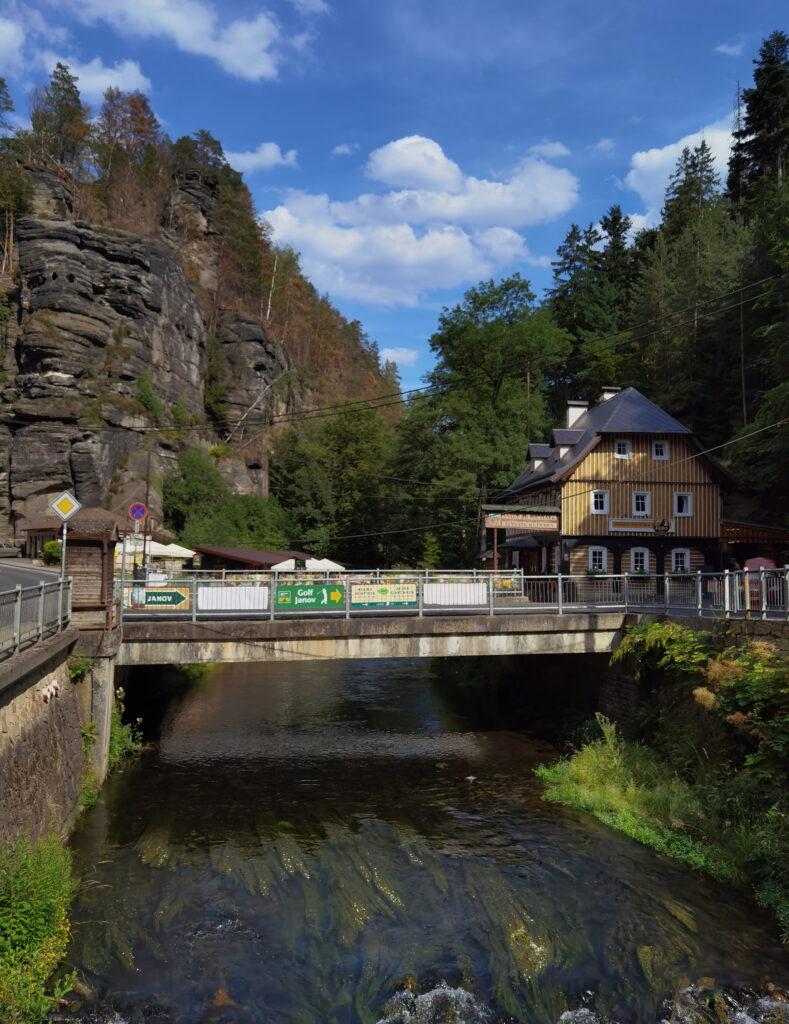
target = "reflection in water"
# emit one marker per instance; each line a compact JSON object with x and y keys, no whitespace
{"x":337,"y":842}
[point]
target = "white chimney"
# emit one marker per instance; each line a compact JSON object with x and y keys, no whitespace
{"x":608,"y":392}
{"x":575,"y":411}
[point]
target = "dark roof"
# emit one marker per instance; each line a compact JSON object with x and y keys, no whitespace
{"x":628,"y":412}
{"x":567,"y":436}
{"x":539,"y":451}
{"x":250,"y":555}
{"x":514,"y":509}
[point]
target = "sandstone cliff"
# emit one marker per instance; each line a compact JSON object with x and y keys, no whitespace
{"x":105,"y":355}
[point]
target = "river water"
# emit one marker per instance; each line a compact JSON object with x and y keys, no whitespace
{"x":365,"y":841}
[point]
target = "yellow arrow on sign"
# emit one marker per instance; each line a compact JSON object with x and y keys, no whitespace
{"x":336,"y":595}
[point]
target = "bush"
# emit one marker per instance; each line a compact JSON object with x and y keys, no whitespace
{"x":51,"y":552}
{"x":36,"y":889}
{"x":148,"y":398}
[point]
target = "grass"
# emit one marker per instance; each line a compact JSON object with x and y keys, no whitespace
{"x":36,"y":889}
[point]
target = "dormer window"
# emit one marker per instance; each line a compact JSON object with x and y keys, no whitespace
{"x":660,"y":451}
{"x":622,"y":448}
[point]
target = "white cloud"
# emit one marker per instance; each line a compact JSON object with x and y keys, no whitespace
{"x":266,"y":156}
{"x":414,"y":162}
{"x":345,"y":149}
{"x":311,"y":6}
{"x":392,"y":248}
{"x":242,"y":47}
{"x":549,"y":150}
{"x":730,"y":50}
{"x":94,"y":77}
{"x":651,"y":169}
{"x":12,"y":38}
{"x":604,"y":146}
{"x":401,"y":356}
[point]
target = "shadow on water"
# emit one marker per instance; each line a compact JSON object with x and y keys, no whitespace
{"x":338,"y":841}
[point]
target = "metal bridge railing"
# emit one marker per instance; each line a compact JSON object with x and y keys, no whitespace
{"x":280,"y":595}
{"x":29,"y":614}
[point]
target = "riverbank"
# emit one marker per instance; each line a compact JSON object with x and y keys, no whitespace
{"x":708,"y":784}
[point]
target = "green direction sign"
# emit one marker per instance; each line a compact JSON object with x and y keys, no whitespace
{"x":383,"y":595}
{"x":328,"y":596}
{"x":165,"y":598}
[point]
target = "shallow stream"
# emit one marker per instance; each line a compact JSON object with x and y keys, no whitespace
{"x":337,"y":841}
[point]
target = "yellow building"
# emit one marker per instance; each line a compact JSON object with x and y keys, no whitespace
{"x":625,"y":488}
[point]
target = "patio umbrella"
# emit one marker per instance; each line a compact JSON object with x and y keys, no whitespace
{"x":760,"y":562}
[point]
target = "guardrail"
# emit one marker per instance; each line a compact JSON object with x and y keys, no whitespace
{"x":276,"y":595}
{"x":29,"y":614}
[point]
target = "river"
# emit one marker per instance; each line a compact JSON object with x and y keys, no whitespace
{"x":365,"y":841}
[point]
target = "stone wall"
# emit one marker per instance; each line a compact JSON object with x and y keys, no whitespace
{"x":621,"y":696}
{"x":42,"y":762}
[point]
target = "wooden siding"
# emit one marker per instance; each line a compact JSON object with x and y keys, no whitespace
{"x":662,"y":478}
{"x":579,"y":558}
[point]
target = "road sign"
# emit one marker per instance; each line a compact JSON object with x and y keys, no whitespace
{"x":65,"y":505}
{"x":138,"y":510}
{"x":329,"y":596}
{"x":172,"y":598}
{"x":382,"y":595}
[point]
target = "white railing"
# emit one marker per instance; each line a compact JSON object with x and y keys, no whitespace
{"x":277,"y":595}
{"x":28,"y":614}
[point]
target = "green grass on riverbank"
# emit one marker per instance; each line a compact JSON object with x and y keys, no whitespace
{"x":36,"y":889}
{"x":709,"y":785}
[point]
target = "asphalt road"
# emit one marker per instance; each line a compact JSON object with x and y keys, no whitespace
{"x":14,"y":571}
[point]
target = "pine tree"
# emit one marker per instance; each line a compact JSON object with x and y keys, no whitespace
{"x":60,"y":120}
{"x":692,"y":190}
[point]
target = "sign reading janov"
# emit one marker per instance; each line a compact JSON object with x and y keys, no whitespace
{"x":168,"y":599}
{"x":381,"y":595}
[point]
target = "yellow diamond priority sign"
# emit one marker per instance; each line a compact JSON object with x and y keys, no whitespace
{"x":65,"y":505}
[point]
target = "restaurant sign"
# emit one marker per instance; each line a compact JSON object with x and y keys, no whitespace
{"x":523,"y":521}
{"x":383,"y":595}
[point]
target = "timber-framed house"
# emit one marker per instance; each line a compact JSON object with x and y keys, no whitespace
{"x":624,"y":487}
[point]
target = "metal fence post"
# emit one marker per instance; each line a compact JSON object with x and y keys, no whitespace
{"x":193,"y":597}
{"x":763,"y":591}
{"x":786,"y":594}
{"x":41,"y":586}
{"x":666,"y":588}
{"x":625,"y":589}
{"x":491,"y":582}
{"x":559,"y":595}
{"x":18,"y":617}
{"x":726,"y":595}
{"x":420,"y":597}
{"x":698,"y":591}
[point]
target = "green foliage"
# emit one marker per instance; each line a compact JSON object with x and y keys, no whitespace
{"x":200,"y":508}
{"x":78,"y":667}
{"x":666,"y":645}
{"x":180,"y":413}
{"x":217,"y":381}
{"x":36,"y":889}
{"x":124,"y":736}
{"x":148,"y":398}
{"x":59,"y":119}
{"x":51,"y":552}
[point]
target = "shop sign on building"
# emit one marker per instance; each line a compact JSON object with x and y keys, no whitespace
{"x":515,"y":521}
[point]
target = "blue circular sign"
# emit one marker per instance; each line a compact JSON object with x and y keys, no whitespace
{"x":138,"y":511}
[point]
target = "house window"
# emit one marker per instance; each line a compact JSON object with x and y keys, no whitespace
{"x":639,"y":560}
{"x":598,"y":559}
{"x":641,"y":503}
{"x":660,"y":450}
{"x":600,"y":503}
{"x":622,"y":448}
{"x":680,"y":560}
{"x":683,"y":503}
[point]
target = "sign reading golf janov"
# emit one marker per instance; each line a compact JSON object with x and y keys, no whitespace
{"x":379,"y":595}
{"x":329,"y":596}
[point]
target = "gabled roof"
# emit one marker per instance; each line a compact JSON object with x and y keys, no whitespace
{"x":251,"y":556}
{"x":539,"y":451}
{"x":628,"y":412}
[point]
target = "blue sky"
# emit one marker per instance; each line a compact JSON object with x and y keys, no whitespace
{"x":410,"y":148}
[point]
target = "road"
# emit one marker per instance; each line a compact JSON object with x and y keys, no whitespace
{"x":14,"y":571}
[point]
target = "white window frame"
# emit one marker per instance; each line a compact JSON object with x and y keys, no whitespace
{"x":627,"y":453}
{"x":664,"y":456}
{"x":603,"y":552}
{"x":639,"y":551}
{"x":647,"y":511}
{"x":599,"y":511}
{"x":683,"y":494}
{"x":685,"y":553}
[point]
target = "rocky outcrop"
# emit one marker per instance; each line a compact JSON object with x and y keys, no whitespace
{"x":106,"y":357}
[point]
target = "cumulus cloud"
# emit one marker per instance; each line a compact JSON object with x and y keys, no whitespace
{"x":266,"y":156}
{"x":443,"y":229}
{"x":651,"y":169}
{"x":401,"y":356}
{"x":414,"y":162}
{"x":604,"y":146}
{"x":12,"y":38}
{"x":549,"y":150}
{"x":345,"y":149}
{"x":94,"y":78}
{"x":244,"y":47}
{"x":730,"y":49}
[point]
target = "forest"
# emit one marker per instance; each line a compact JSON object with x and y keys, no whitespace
{"x":694,"y":312}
